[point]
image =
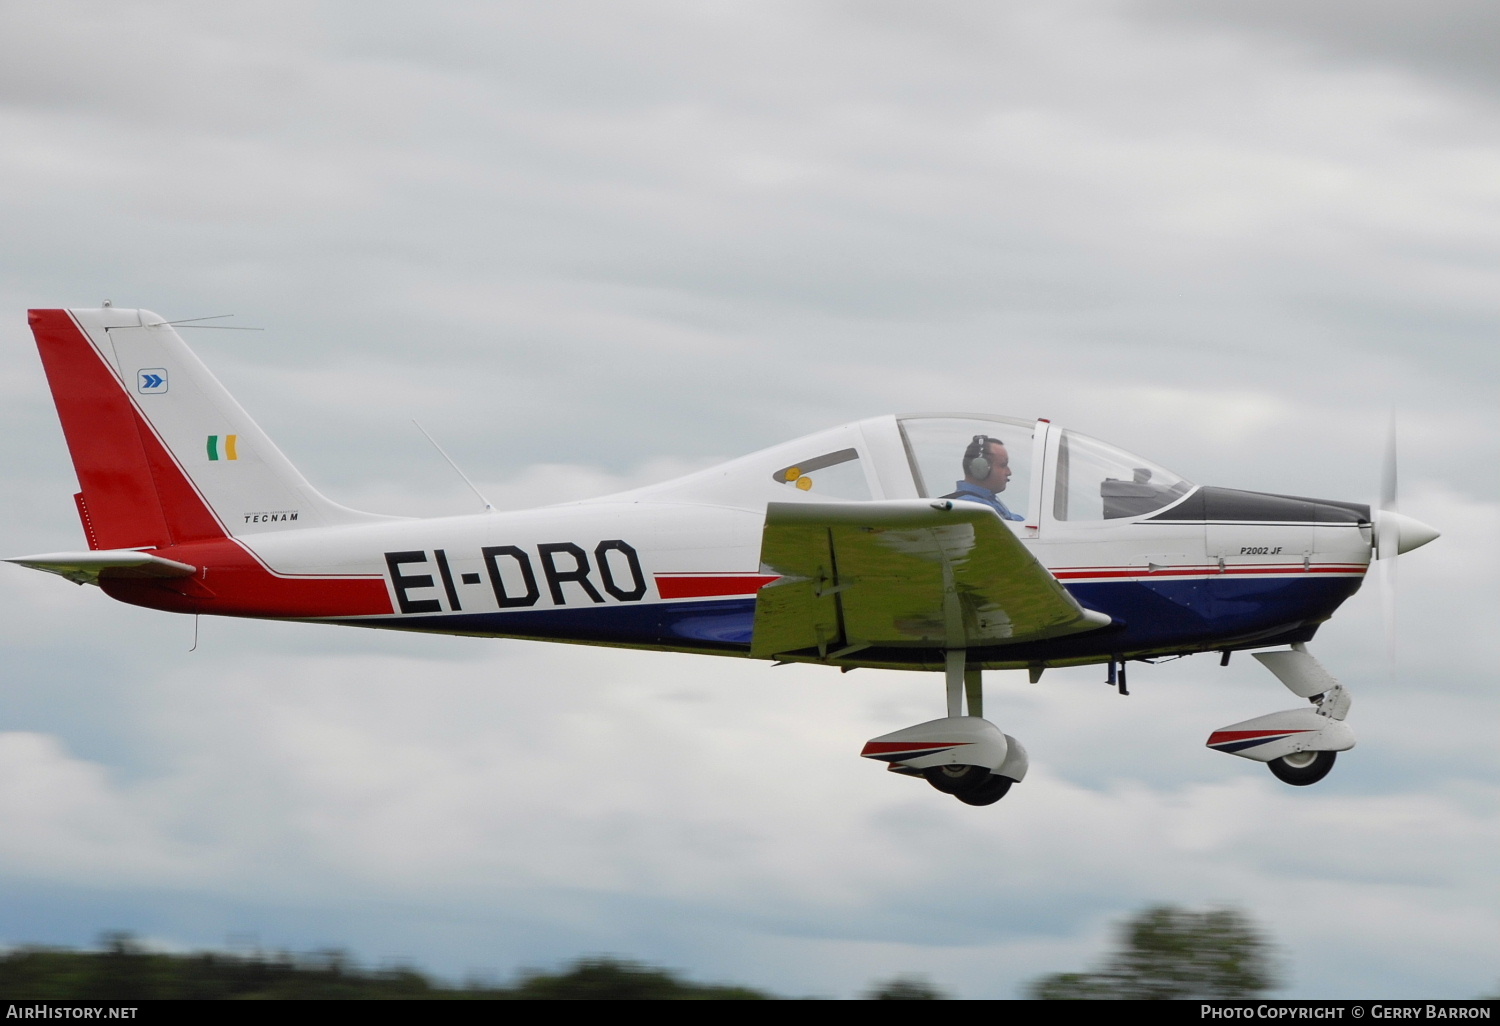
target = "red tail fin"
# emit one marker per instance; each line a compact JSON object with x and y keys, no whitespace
{"x":134,"y":495}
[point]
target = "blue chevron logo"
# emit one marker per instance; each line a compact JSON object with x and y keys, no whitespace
{"x":151,"y":381}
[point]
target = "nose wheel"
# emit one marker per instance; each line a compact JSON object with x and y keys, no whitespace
{"x":956,"y":779}
{"x":1302,"y":768}
{"x":972,"y":785}
{"x":1297,"y":745}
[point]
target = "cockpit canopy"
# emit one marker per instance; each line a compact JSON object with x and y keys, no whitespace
{"x":931,"y":456}
{"x":937,"y":446}
{"x":1096,"y":481}
{"x":1091,"y":480}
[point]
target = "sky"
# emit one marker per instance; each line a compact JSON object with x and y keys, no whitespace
{"x":593,"y":245}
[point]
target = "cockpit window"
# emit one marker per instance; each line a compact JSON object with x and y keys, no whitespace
{"x":1096,"y":481}
{"x":833,"y":475}
{"x":946,"y":452}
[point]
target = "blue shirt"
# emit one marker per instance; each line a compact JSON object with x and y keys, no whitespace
{"x":978,"y":493}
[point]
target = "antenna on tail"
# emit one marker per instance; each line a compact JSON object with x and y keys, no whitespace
{"x":488,"y":508}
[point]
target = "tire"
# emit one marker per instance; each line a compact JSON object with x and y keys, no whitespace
{"x":1302,"y":768}
{"x":987,"y":793}
{"x":956,"y":779}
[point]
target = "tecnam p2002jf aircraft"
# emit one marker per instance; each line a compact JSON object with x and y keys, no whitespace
{"x":947,"y":542}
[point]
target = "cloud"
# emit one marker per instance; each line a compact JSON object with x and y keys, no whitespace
{"x":1449,"y":40}
{"x":634,"y":787}
{"x":593,"y":247}
{"x":66,"y":822}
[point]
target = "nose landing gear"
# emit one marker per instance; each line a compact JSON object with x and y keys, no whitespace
{"x":1297,"y":745}
{"x":965,"y":756}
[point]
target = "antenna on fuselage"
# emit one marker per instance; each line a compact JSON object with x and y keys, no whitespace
{"x":191,"y":322}
{"x":488,"y":507}
{"x":186,"y":322}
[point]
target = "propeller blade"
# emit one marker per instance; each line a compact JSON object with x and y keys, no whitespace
{"x":1387,"y":571}
{"x":1393,"y":534}
{"x":1388,"y":468}
{"x":1388,"y":544}
{"x":1387,"y":529}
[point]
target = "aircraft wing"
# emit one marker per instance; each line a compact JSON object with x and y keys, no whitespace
{"x":906,"y":573}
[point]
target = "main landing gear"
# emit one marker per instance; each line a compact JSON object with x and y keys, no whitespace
{"x":965,"y":756}
{"x":1297,"y":745}
{"x":1302,"y":768}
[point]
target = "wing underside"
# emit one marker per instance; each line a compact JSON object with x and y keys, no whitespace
{"x":903,"y":574}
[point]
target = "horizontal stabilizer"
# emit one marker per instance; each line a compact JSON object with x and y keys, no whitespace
{"x":85,"y":567}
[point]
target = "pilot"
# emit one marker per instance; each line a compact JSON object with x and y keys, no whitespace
{"x":986,"y":473}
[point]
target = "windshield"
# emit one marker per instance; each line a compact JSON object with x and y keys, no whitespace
{"x":982,"y":459}
{"x":1096,"y":481}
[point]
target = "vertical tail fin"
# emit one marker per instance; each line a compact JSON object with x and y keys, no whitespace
{"x":163,"y":453}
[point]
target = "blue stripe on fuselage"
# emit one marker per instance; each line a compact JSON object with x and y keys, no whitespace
{"x":1177,"y":611}
{"x":1149,"y":616}
{"x":715,"y":623}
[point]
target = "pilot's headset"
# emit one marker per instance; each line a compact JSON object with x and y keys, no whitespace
{"x":977,"y":463}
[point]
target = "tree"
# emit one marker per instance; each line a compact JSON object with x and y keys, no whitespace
{"x":1166,"y":953}
{"x":905,"y":988}
{"x":603,"y":978}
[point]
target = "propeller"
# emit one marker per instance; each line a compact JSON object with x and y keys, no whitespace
{"x":1393,"y":535}
{"x":1388,"y":543}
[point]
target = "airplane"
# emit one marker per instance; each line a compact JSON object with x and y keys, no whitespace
{"x":951,"y":543}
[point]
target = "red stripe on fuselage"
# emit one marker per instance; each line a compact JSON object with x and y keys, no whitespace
{"x":233,"y":582}
{"x":1210,"y":570}
{"x":678,"y":586}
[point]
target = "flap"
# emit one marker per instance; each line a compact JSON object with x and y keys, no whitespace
{"x":85,"y":567}
{"x":906,"y":573}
